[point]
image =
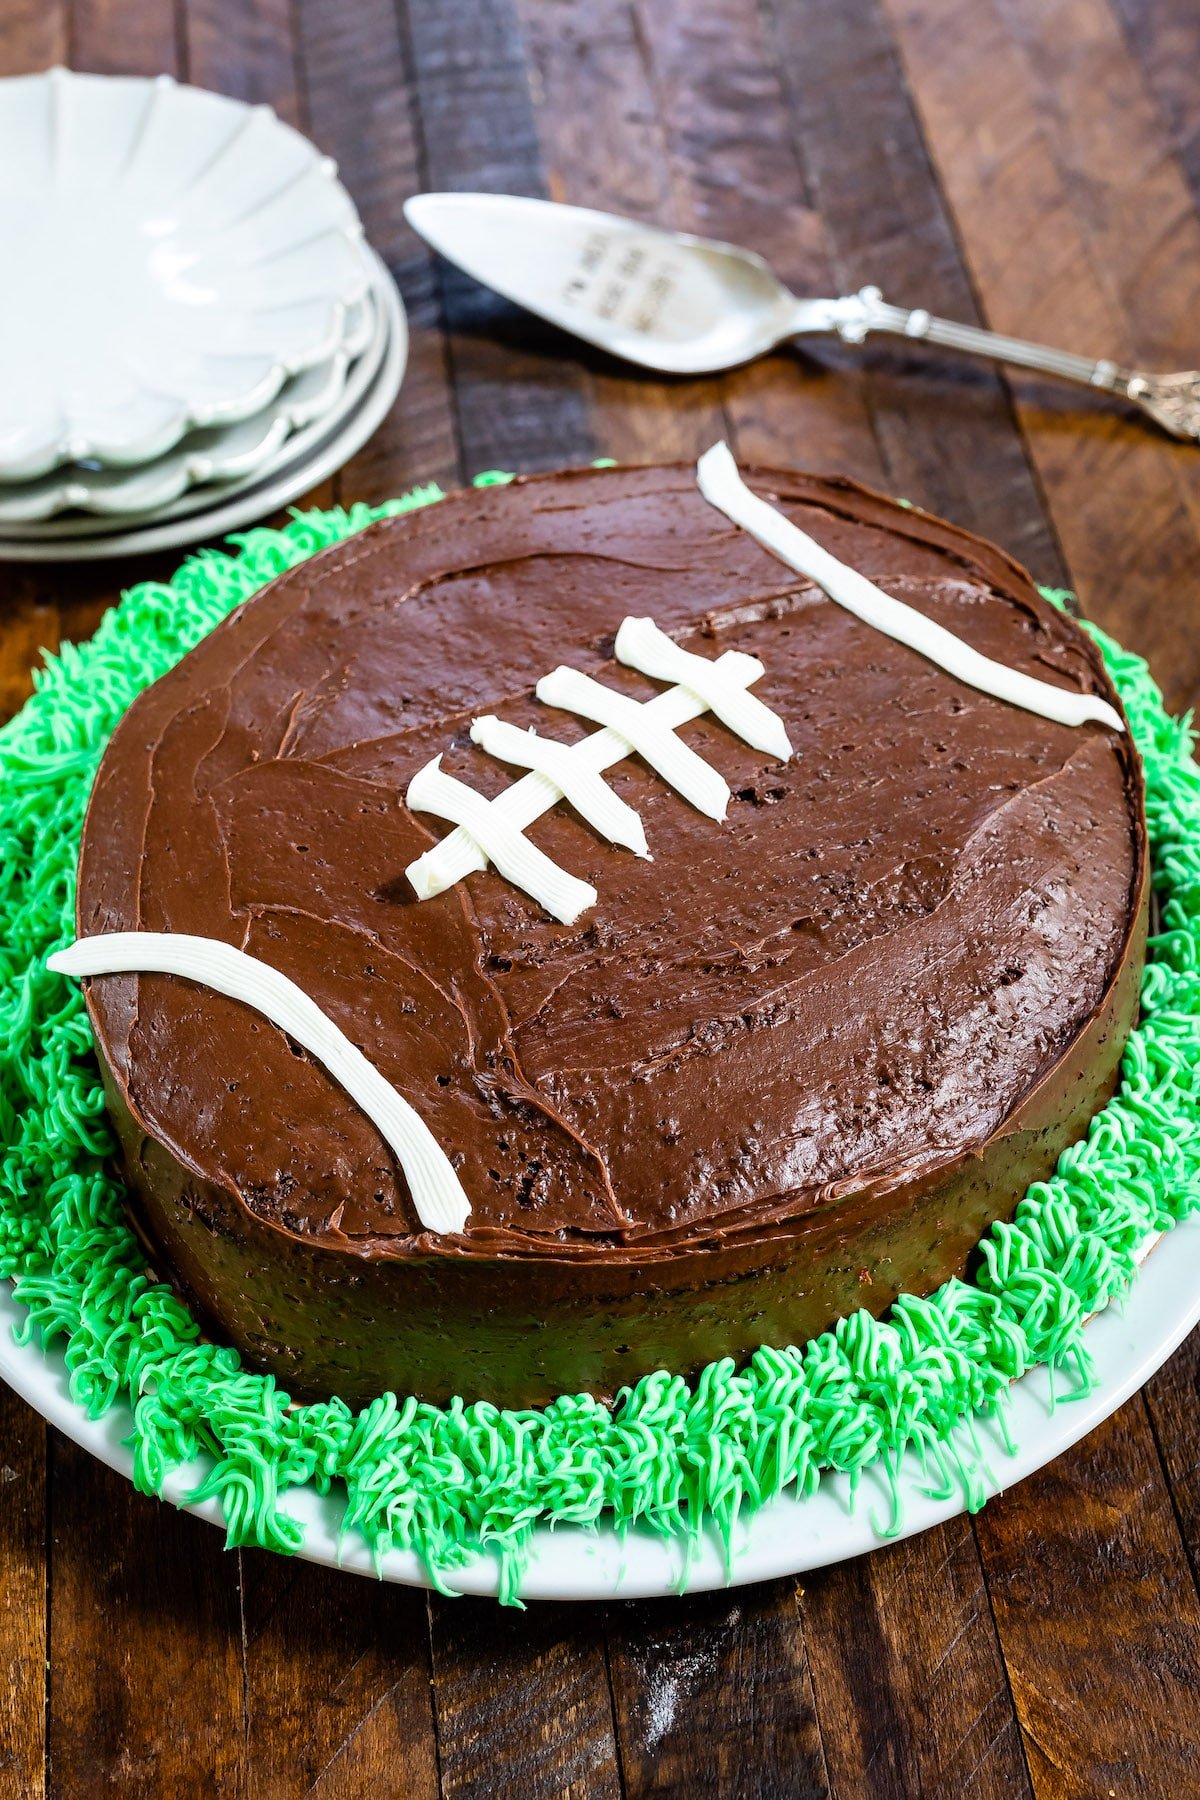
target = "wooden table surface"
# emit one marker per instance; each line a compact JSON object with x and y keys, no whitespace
{"x":1033,"y":164}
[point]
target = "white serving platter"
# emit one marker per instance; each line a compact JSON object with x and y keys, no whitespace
{"x":172,"y":256}
{"x":1128,"y":1343}
{"x":305,"y":460}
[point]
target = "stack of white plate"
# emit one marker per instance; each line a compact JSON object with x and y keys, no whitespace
{"x":193,"y":331}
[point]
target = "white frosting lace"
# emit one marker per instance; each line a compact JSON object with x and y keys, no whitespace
{"x":492,"y":831}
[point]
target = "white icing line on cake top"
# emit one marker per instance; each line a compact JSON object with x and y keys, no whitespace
{"x":654,"y":742}
{"x":644,"y":647}
{"x":437,"y":1193}
{"x":584,"y":788}
{"x":722,"y":486}
{"x":458,"y":855}
{"x":519,"y":861}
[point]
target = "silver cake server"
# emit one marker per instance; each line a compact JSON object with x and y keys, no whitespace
{"x":690,"y":306}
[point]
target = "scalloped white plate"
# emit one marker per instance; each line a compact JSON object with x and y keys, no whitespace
{"x":387,"y":323}
{"x":227,"y":457}
{"x":1128,"y":1342}
{"x":307,"y":459}
{"x":171,"y":257}
{"x":222,"y":455}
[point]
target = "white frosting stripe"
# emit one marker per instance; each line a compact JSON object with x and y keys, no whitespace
{"x":431,"y":790}
{"x":458,"y":855}
{"x":642,"y":646}
{"x":723,"y":487}
{"x":582,"y":786}
{"x":654,"y":742}
{"x":437,"y":1193}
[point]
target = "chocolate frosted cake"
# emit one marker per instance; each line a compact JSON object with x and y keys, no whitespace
{"x":792,"y":1062}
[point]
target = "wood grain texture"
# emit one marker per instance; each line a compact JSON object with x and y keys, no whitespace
{"x":360,"y":106}
{"x":1165,"y":37}
{"x":523,"y":1702}
{"x":1173,"y":1399}
{"x":944,"y":425}
{"x":1099,"y":1619}
{"x":337,"y":1685}
{"x":908,"y":1675}
{"x":713,"y":1696}
{"x":520,"y":401}
{"x":126,"y":37}
{"x":348,"y":1710}
{"x":146,"y":1653}
{"x":519,"y":395}
{"x":247,"y":48}
{"x":592,"y":85}
{"x":737,"y":173}
{"x":23,"y":1610}
{"x":33,"y":35}
{"x":29,"y":624}
{"x":1036,"y":168}
{"x":1064,"y":247}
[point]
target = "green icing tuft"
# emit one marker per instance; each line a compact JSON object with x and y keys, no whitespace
{"x":671,"y":1456}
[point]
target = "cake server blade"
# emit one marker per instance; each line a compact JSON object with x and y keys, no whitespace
{"x":692,"y":306}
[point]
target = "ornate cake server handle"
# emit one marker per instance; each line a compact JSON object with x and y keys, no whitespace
{"x":686,"y":305}
{"x":1172,"y":401}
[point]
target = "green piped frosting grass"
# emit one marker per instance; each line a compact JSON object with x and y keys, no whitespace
{"x":672,"y":1456}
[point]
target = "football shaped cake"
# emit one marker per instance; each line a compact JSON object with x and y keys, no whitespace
{"x":682,"y":950}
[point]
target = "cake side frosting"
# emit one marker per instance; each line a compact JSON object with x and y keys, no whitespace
{"x":799,"y":1061}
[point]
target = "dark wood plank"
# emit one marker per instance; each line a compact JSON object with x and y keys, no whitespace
{"x":1173,"y":1400}
{"x":1064,"y":246}
{"x":1089,"y":1580}
{"x":360,"y":110}
{"x":908,"y":450}
{"x":33,"y":35}
{"x":1143,"y":234}
{"x":528,"y":1695}
{"x":1099,"y":1619}
{"x":1165,"y":37}
{"x":523,"y":1707}
{"x":337,"y":1685}
{"x":248,"y":50}
{"x":695,"y":1695}
{"x":127,"y":37}
{"x":737,"y":172}
{"x":23,"y":1613}
{"x":945,"y":426}
{"x":713,"y":1696}
{"x":520,"y":392}
{"x":42,"y":604}
{"x":656,"y":1757}
{"x":146,"y":1666}
{"x":589,"y":73}
{"x":909,"y":1680}
{"x":353,"y":1705}
{"x":29,"y":624}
